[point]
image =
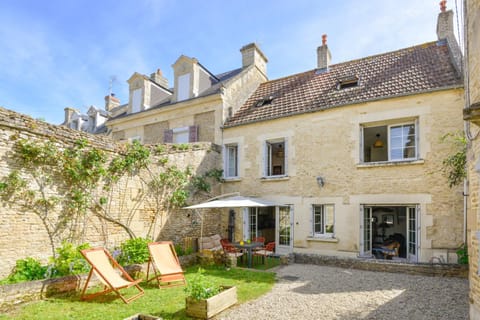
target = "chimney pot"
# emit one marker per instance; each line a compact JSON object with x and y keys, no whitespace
{"x":443,"y":5}
{"x":324,"y":39}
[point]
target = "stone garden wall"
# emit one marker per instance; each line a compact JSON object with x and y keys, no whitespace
{"x":22,"y":232}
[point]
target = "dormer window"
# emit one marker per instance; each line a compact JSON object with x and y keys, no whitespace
{"x":136,"y":100}
{"x":183,"y":87}
{"x":347,"y":82}
{"x":264,"y":101}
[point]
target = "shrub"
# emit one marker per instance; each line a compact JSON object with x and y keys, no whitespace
{"x":462,"y":254}
{"x":26,"y":270}
{"x":133,"y":251}
{"x":199,"y":287}
{"x":68,"y":261}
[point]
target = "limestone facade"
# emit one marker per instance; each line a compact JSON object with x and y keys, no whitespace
{"x":324,"y":165}
{"x":199,"y":101}
{"x":472,"y":97}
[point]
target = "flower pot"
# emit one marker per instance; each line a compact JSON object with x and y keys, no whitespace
{"x":207,"y":308}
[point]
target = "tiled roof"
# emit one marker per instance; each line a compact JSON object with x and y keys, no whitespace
{"x":407,"y":71}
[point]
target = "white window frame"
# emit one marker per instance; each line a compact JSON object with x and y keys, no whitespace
{"x":227,"y":159}
{"x":267,"y":158}
{"x":136,"y":100}
{"x":181,"y":132}
{"x":389,"y":151}
{"x":183,"y":87}
{"x":415,"y":157}
{"x":324,"y":232}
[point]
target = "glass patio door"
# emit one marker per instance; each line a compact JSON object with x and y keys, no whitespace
{"x":365,"y":231}
{"x":284,"y":234}
{"x":412,"y":233}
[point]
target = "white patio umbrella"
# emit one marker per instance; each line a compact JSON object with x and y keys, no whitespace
{"x":230,"y":201}
{"x":234,"y":202}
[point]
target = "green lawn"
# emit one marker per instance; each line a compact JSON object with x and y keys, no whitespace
{"x":168,"y":303}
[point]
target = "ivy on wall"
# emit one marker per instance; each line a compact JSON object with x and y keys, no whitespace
{"x":65,"y":186}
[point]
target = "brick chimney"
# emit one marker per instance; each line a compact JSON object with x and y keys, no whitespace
{"x":445,"y":33}
{"x":158,"y":78}
{"x":323,"y":55}
{"x":111,"y":102}
{"x":252,"y":55}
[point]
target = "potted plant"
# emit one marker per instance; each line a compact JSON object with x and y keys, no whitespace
{"x":206,"y":299}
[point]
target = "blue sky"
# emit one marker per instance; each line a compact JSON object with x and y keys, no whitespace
{"x":55,"y":54}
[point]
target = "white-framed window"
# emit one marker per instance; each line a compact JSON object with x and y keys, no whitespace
{"x":231,"y":161}
{"x":180,"y":135}
{"x":136,"y":100}
{"x":183,"y":87}
{"x":275,"y":163}
{"x":323,"y":220}
{"x":390,"y":142}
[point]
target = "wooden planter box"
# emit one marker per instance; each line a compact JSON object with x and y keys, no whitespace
{"x":205,"y":309}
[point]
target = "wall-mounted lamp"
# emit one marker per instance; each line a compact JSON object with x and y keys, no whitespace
{"x":378,"y":143}
{"x":320,"y":181}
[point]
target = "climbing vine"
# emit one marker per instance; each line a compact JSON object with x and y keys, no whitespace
{"x":64,"y":186}
{"x":454,"y":165}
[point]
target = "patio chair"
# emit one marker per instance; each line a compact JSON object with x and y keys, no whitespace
{"x":266,"y":251}
{"x":231,"y":251}
{"x":259,"y":239}
{"x":165,"y":264}
{"x":110,"y":273}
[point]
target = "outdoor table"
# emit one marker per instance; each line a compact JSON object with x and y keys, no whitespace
{"x":249,"y":246}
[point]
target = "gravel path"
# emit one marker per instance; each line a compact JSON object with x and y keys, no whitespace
{"x":318,"y":292}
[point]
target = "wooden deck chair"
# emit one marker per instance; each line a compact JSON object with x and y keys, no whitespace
{"x":110,"y":273}
{"x":165,"y":264}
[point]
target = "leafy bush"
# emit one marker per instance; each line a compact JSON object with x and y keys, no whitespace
{"x":134,"y":251}
{"x":68,"y":261}
{"x":26,"y":270}
{"x":462,"y":254}
{"x":199,"y":287}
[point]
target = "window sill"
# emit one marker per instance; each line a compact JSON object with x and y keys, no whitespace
{"x":390,"y":163}
{"x":275,"y":178}
{"x":232,"y":179}
{"x":323,"y":239}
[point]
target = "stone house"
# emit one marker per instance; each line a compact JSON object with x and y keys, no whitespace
{"x":194,"y":109}
{"x":472,"y":129}
{"x":92,"y":122}
{"x":352,"y":154}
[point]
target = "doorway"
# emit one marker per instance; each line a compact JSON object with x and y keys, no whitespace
{"x":273,"y":223}
{"x":390,"y":232}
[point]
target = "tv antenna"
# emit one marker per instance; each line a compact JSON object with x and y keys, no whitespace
{"x":110,"y":84}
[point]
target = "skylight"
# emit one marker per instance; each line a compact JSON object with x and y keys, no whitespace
{"x":264,"y":101}
{"x":347,"y":82}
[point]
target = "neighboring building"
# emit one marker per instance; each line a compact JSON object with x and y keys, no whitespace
{"x":92,"y":122}
{"x":472,"y":116}
{"x":352,"y":152}
{"x":194,"y":109}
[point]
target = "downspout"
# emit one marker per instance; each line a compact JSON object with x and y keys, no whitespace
{"x":468,"y":134}
{"x":465,"y":203}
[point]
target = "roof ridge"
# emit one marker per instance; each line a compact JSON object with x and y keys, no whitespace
{"x":352,"y":61}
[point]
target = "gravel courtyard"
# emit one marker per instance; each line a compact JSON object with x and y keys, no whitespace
{"x":319,"y":292}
